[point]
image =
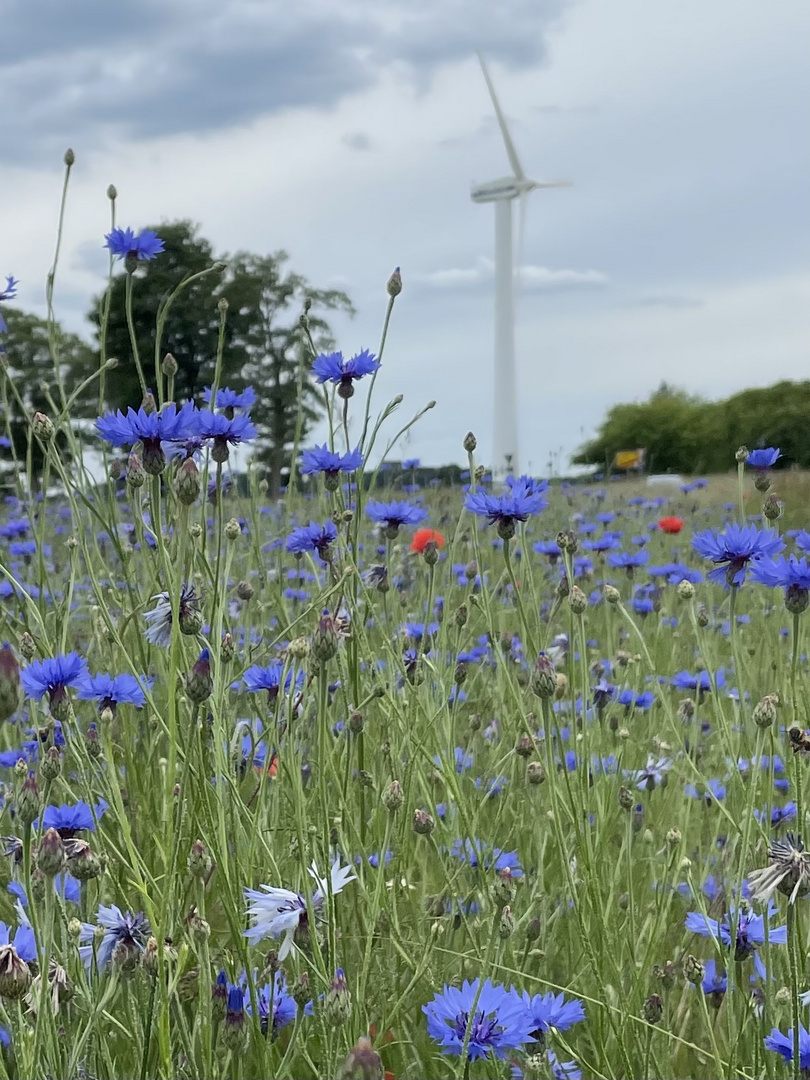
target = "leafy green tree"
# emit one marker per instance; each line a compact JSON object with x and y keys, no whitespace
{"x":29,"y":381}
{"x":265,"y":303}
{"x":262,"y":340}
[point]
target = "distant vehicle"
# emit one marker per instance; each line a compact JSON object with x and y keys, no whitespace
{"x":665,"y":480}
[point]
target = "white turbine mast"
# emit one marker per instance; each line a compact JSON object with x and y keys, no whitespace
{"x":505,"y":449}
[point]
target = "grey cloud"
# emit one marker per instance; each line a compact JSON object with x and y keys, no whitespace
{"x":529,"y":278}
{"x":357,"y":140}
{"x":77,"y":73}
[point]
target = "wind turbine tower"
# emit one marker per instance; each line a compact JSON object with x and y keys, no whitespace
{"x":506,"y":449}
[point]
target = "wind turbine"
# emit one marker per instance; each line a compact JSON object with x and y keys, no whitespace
{"x":506,"y":457}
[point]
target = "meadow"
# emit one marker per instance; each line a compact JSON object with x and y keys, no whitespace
{"x":387,"y":780}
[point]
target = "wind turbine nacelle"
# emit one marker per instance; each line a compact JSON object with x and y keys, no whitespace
{"x":510,"y":187}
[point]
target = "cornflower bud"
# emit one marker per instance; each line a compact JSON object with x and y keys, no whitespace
{"x":169,"y":366}
{"x":693,"y":970}
{"x":42,"y":426}
{"x":503,"y":888}
{"x":625,"y":798}
{"x":244,"y":590}
{"x":765,"y":712}
{"x":199,"y":861}
{"x":15,"y":974}
{"x":762,"y":482}
{"x":535,"y":773}
{"x":187,"y":484}
{"x":234,"y":1033}
{"x":394,"y":284}
{"x":29,"y":801}
{"x":470,"y":442}
{"x":69,"y":158}
{"x":83,"y":862}
{"x":325,"y":639}
{"x":10,"y":687}
{"x":233,"y":530}
{"x":337,"y":1004}
{"x":742,"y":455}
{"x":611,"y":594}
{"x":772,"y":507}
{"x":227,"y":649}
{"x":300,"y":990}
{"x":423,"y":823}
{"x":544,"y":678}
{"x":363,"y":1062}
{"x":27,"y":646}
{"x":199,"y":683}
{"x":653,"y":1009}
{"x":577,"y":601}
{"x":51,"y":854}
{"x":393,"y":797}
{"x":702,"y":616}
{"x":506,"y":927}
{"x":112,"y":192}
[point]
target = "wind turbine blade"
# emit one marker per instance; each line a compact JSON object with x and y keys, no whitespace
{"x":511,"y":153}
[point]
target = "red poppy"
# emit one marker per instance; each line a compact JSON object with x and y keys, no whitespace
{"x":670,"y":524}
{"x":272,"y":766}
{"x":423,"y":536}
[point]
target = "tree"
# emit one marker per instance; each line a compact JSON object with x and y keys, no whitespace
{"x":265,"y":302}
{"x":32,"y":380}
{"x":686,"y":434}
{"x":262,"y":337}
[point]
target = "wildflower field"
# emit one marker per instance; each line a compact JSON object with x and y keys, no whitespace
{"x":381,"y":780}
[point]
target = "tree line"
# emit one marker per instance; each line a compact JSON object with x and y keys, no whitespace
{"x":262,"y":342}
{"x":684,"y":433}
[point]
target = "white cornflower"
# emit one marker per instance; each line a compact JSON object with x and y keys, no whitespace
{"x":275,"y":912}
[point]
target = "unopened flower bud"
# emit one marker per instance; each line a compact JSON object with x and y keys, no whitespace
{"x":470,"y":442}
{"x":50,"y":854}
{"x":83,"y":863}
{"x":199,"y":860}
{"x":51,"y":766}
{"x":199,"y":930}
{"x":772,"y":507}
{"x":199,"y":682}
{"x":673,"y":837}
{"x":234,"y":1034}
{"x":702,"y":616}
{"x":431,"y":553}
{"x":577,"y":600}
{"x":135,"y":472}
{"x":742,"y":455}
{"x":797,"y":599}
{"x":423,"y":823}
{"x":337,"y":1004}
{"x":42,"y":426}
{"x":233,"y":530}
{"x":298,"y":649}
{"x":543,"y":678}
{"x":394,"y":285}
{"x":187,"y":483}
{"x":503,"y":888}
{"x":765,"y":712}
{"x":506,"y":926}
{"x":10,"y":686}
{"x":393,"y":797}
{"x":325,"y":639}
{"x":653,"y":1009}
{"x":15,"y":975}
{"x":762,"y":482}
{"x":611,"y":594}
{"x":693,"y":969}
{"x":112,"y":192}
{"x":686,"y":590}
{"x":300,"y":991}
{"x":169,"y":366}
{"x":363,"y":1062}
{"x":29,"y":800}
{"x":625,"y":798}
{"x":244,"y":590}
{"x":535,"y":773}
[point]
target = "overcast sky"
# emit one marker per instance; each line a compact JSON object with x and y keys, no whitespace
{"x":348,"y":132}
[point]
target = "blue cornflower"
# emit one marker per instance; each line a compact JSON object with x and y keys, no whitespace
{"x":231,"y":399}
{"x":791,"y":574}
{"x":126,"y":932}
{"x":715,"y":982}
{"x":320,"y":459}
{"x":500,"y":1022}
{"x":702,"y":681}
{"x":464,"y":759}
{"x":331,"y":367}
{"x":410,"y":463}
{"x":10,"y":291}
{"x":711,"y":790}
{"x":267,"y":678}
{"x":750,"y":930}
{"x":392,"y":515}
{"x":602,"y":544}
{"x":69,"y":820}
{"x":505,"y":510}
{"x":548,"y":1011}
{"x":763,"y":459}
{"x":110,"y":691}
{"x":527,"y":485}
{"x":223,"y":431}
{"x":313,"y":537}
{"x":284,"y":1007}
{"x":123,"y":242}
{"x":734,"y":548}
{"x":623,"y":560}
{"x":52,"y":676}
{"x":150,"y":428}
{"x":23,"y":942}
{"x":783,"y":1044}
{"x":549,"y":548}
{"x":779,"y":814}
{"x":477,"y":853}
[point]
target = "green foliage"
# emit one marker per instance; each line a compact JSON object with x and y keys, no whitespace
{"x":683,"y":433}
{"x":262,"y":342}
{"x":35,"y":357}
